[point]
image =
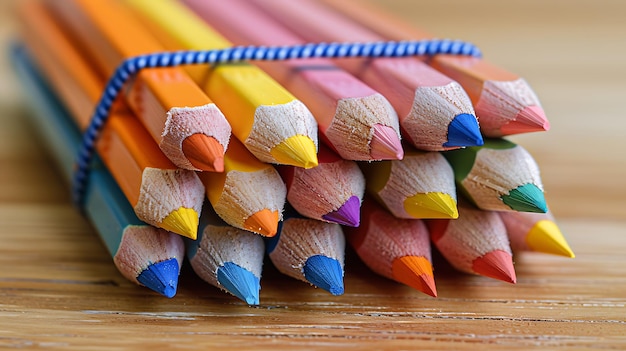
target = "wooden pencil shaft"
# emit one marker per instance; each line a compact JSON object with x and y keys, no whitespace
{"x":157,"y":96}
{"x":346,"y":109}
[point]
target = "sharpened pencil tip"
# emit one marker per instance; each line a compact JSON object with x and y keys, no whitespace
{"x":183,"y":221}
{"x":416,"y":272}
{"x":161,"y":277}
{"x":239,"y":282}
{"x":264,"y":222}
{"x":529,"y":119}
{"x":324,"y":272}
{"x":348,"y":214}
{"x":298,"y":150}
{"x":204,"y":152}
{"x":463,"y":131}
{"x":431,"y":205}
{"x":545,"y":236}
{"x":526,"y":198}
{"x":496,"y":264}
{"x":385,"y":144}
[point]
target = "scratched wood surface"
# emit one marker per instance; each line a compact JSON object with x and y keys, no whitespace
{"x":60,"y":290}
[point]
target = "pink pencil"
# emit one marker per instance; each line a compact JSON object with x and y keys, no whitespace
{"x":331,"y":192}
{"x":435,"y":112}
{"x":355,"y":120}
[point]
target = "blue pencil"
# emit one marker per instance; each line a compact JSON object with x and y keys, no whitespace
{"x":145,"y":255}
{"x":309,"y":250}
{"x":227,"y":257}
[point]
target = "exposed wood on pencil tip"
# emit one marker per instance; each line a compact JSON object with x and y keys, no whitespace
{"x":496,"y":264}
{"x":204,"y":152}
{"x":183,"y":221}
{"x":416,"y":272}
{"x":264,"y":222}
{"x":385,"y":144}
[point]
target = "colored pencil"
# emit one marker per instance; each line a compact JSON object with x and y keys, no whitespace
{"x":435,"y":112}
{"x":228,"y":258}
{"x":331,"y":192}
{"x":143,"y":254}
{"x":269,"y":120}
{"x":398,"y":249}
{"x":476,"y":242}
{"x":311,"y":251}
{"x":186,"y":124}
{"x":535,"y":232}
{"x":498,"y":176}
{"x":249,"y":194}
{"x":161,"y":194}
{"x":355,"y":120}
{"x":419,"y":186}
{"x":505,"y":104}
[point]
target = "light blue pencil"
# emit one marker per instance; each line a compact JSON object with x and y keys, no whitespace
{"x":227,"y":257}
{"x":309,"y":250}
{"x":145,"y":255}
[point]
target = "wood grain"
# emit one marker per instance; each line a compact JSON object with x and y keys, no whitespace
{"x":60,"y":290}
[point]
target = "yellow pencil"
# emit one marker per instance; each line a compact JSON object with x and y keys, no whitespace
{"x":274,"y":125}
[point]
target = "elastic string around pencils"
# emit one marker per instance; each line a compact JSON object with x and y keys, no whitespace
{"x":132,"y":66}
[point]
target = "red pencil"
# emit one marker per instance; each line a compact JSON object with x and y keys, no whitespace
{"x":475,"y":243}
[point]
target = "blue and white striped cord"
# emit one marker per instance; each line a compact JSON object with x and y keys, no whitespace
{"x":133,"y":65}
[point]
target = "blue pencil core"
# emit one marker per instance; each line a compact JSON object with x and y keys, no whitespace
{"x":240,"y":282}
{"x":161,"y":277}
{"x":463,"y":131}
{"x":324,"y":272}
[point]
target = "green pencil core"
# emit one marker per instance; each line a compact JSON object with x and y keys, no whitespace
{"x":526,"y":198}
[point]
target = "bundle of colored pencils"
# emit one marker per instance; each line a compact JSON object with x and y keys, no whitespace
{"x":401,"y":161}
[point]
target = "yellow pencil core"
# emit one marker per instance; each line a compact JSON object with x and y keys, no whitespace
{"x":431,"y":205}
{"x":297,"y":150}
{"x":416,"y":272}
{"x":183,"y":221}
{"x":546,"y":237}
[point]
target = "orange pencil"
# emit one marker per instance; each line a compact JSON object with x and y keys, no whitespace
{"x":475,"y":243}
{"x":398,"y":249}
{"x":189,"y":128}
{"x":331,"y":192}
{"x":535,"y":232}
{"x":249,"y":194}
{"x":505,"y":104}
{"x":272,"y":124}
{"x":434,"y":111}
{"x":160,"y":193}
{"x":356,"y":121}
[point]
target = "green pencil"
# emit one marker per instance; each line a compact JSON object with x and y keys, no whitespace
{"x":144,"y":254}
{"x":498,"y":176}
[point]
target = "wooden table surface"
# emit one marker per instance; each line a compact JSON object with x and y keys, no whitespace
{"x":60,"y":290}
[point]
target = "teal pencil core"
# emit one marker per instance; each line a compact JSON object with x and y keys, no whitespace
{"x":526,"y":198}
{"x":324,"y":272}
{"x":240,"y":282}
{"x":161,"y":277}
